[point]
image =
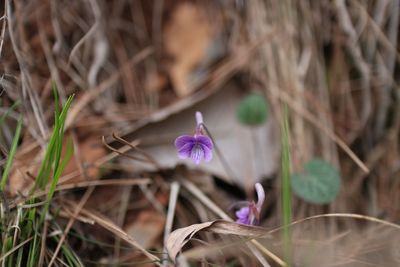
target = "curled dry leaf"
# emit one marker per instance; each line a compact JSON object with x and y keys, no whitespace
{"x":178,"y":238}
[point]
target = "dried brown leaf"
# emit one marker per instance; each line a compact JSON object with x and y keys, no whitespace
{"x":178,"y":238}
{"x":187,"y":49}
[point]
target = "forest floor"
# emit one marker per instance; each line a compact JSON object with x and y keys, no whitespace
{"x":199,"y":133}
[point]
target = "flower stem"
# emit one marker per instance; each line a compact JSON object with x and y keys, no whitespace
{"x":257,"y":154}
{"x":224,"y":162}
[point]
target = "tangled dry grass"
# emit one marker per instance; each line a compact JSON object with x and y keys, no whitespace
{"x":132,"y":63}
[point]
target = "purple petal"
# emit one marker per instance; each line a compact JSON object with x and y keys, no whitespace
{"x":243,"y":213}
{"x":185,"y":150}
{"x":197,"y":153}
{"x":182,"y":140}
{"x":205,"y":140}
{"x":207,"y":153}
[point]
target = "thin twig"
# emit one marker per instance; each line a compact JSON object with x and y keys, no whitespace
{"x":124,"y":153}
{"x":4,"y":201}
{"x":3,"y":29}
{"x":106,"y":182}
{"x":144,"y":153}
{"x":124,"y":200}
{"x":339,"y":215}
{"x":152,"y":199}
{"x":224,"y":162}
{"x":54,"y":72}
{"x":103,"y":86}
{"x":110,"y":226}
{"x":25,"y":78}
{"x":78,"y":208}
{"x":2,"y":258}
{"x":173,"y":197}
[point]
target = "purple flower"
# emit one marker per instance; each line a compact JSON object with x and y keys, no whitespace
{"x":197,"y":147}
{"x":250,"y":214}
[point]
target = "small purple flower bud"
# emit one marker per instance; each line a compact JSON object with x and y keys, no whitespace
{"x":197,"y":147}
{"x":250,"y":214}
{"x":199,"y":118}
{"x":260,"y":196}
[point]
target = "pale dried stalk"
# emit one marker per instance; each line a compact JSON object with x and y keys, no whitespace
{"x":173,"y":197}
{"x":124,"y":201}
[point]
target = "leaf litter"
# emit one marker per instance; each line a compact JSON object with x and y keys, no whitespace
{"x":141,"y":69}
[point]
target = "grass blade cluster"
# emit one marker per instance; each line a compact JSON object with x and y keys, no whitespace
{"x":24,"y":231}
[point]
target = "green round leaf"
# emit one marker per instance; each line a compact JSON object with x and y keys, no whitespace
{"x":253,"y":110}
{"x":319,"y":184}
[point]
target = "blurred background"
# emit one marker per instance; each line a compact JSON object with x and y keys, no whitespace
{"x":139,"y":70}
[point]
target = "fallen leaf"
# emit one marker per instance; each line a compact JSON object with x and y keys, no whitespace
{"x":187,"y":38}
{"x":252,"y":153}
{"x":178,"y":238}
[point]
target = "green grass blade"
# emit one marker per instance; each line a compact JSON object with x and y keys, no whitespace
{"x":68,"y":154}
{"x":59,"y":165}
{"x":33,"y":247}
{"x":52,"y":167}
{"x":11,"y":155}
{"x":33,"y":252}
{"x":6,"y":247}
{"x":56,"y":99}
{"x":60,"y":133}
{"x":19,"y":257}
{"x":5,"y":115}
{"x":53,"y":152}
{"x":71,"y":257}
{"x":57,"y":174}
{"x":45,"y":167}
{"x":286,"y":189}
